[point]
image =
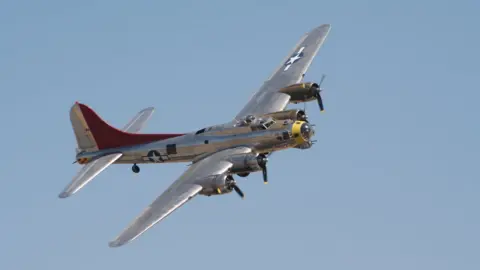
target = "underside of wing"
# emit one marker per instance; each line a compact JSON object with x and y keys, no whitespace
{"x":92,"y":169}
{"x":163,"y":206}
{"x":268,"y":99}
{"x":195,"y":179}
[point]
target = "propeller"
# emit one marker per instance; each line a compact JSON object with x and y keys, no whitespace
{"x":239,"y":191}
{"x":233,"y":185}
{"x":317,"y":95}
{"x":262,"y":163}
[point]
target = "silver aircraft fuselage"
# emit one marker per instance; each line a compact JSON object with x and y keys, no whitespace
{"x":195,"y":144}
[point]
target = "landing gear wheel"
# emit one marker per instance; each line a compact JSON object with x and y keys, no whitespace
{"x":135,"y":168}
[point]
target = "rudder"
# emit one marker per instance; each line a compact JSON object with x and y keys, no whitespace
{"x":85,"y":139}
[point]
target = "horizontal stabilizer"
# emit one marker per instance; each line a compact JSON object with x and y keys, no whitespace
{"x":137,"y":122}
{"x":92,"y":169}
{"x":87,"y":173}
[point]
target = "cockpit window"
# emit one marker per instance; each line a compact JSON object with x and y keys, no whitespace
{"x":268,"y":124}
{"x":200,"y":131}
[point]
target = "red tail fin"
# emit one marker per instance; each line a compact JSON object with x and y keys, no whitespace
{"x":106,"y":136}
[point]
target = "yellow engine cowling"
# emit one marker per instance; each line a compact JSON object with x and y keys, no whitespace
{"x":300,"y":92}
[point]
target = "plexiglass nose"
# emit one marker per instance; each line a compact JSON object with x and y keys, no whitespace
{"x":307,"y":131}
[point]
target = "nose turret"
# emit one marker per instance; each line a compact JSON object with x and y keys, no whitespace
{"x":302,"y":132}
{"x":307,"y":131}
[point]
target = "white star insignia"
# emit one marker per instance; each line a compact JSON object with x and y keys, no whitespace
{"x":154,"y":157}
{"x":294,"y":58}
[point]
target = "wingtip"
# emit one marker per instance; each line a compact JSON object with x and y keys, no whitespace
{"x":322,"y":28}
{"x":326,"y":27}
{"x":112,"y":245}
{"x":115,"y":243}
{"x":63,"y":195}
{"x":148,"y":109}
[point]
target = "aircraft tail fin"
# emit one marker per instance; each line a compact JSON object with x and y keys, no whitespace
{"x":85,"y":140}
{"x":93,"y":133}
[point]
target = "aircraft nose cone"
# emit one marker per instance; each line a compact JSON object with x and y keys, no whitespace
{"x":307,"y":131}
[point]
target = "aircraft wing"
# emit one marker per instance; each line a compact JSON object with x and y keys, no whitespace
{"x":187,"y":186}
{"x":92,"y":169}
{"x":267,"y":99}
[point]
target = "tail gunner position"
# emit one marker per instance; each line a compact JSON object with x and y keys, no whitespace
{"x":217,"y":153}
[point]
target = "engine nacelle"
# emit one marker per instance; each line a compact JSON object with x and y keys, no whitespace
{"x":217,"y":185}
{"x":246,"y":163}
{"x":294,"y":115}
{"x":300,"y":92}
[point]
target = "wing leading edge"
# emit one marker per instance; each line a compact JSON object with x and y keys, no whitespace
{"x":267,"y":99}
{"x":92,"y":169}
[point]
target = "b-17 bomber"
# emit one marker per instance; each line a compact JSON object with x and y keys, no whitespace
{"x":216,"y":153}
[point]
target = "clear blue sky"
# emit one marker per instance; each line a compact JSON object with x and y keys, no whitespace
{"x":391,"y":184}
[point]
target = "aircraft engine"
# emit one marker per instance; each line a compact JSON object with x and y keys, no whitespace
{"x":244,"y":164}
{"x":294,"y":115}
{"x":301,"y":92}
{"x":304,"y":92}
{"x":220,"y":184}
{"x":215,"y":183}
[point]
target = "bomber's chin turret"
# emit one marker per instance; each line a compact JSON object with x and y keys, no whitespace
{"x":305,"y":145}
